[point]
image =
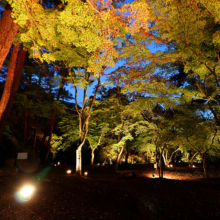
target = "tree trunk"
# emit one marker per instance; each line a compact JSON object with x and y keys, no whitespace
{"x":52,"y":117}
{"x":35,"y":133}
{"x":48,"y":128}
{"x":118,"y":158}
{"x":205,"y":166}
{"x":26,"y":128}
{"x":8,"y":32}
{"x":11,"y":85}
{"x":164,"y":159}
{"x":92,"y":155}
{"x":149,"y":159}
{"x":161,"y":163}
{"x":191,"y":162}
{"x":78,"y":161}
{"x":127,"y":155}
{"x":170,"y":160}
{"x":49,"y":140}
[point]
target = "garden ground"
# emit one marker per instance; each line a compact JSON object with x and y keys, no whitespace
{"x":103,"y":194}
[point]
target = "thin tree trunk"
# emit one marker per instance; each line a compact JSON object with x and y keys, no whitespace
{"x":27,"y":115}
{"x":151,"y":154}
{"x":161,"y":164}
{"x":191,"y":162}
{"x":78,"y":161}
{"x":52,"y":117}
{"x":205,"y":166}
{"x":162,"y":156}
{"x":164,"y":159}
{"x":173,"y":154}
{"x":118,"y":158}
{"x":127,"y":155}
{"x":49,"y":140}
{"x":48,"y":128}
{"x":8,"y":32}
{"x":11,"y":85}
{"x":92,"y":155}
{"x":35,"y":132}
{"x":26,"y":128}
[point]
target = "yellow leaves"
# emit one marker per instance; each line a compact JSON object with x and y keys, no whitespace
{"x":137,"y":15}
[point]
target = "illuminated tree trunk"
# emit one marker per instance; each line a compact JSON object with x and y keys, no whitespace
{"x":118,"y":158}
{"x":8,"y":32}
{"x":161,"y":163}
{"x":78,"y":161}
{"x":171,"y":157}
{"x":92,"y":155}
{"x":191,"y":162}
{"x":164,"y":159}
{"x":11,"y":85}
{"x":49,"y":140}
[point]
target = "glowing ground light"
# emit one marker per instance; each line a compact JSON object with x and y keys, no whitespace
{"x":58,"y":163}
{"x":98,"y":164}
{"x":69,"y":171}
{"x":171,"y":165}
{"x":168,"y":165}
{"x":153,"y":176}
{"x":54,"y":164}
{"x":85,"y":173}
{"x":193,"y":166}
{"x":26,"y":192}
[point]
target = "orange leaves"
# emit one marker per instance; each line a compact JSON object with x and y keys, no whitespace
{"x":137,"y":16}
{"x":151,"y":36}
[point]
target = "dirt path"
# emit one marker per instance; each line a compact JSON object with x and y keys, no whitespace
{"x":106,"y":195}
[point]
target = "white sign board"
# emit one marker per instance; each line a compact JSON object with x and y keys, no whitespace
{"x":22,"y":156}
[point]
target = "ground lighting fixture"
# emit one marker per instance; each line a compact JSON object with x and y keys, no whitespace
{"x":85,"y":173}
{"x":68,"y":171}
{"x":26,"y":192}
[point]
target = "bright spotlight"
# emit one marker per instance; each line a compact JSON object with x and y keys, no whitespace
{"x":69,"y":171}
{"x":193,"y":166}
{"x":26,"y":192}
{"x":98,"y":164}
{"x":171,"y":165}
{"x":85,"y":173}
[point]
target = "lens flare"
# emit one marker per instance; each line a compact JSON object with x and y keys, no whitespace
{"x":27,"y":191}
